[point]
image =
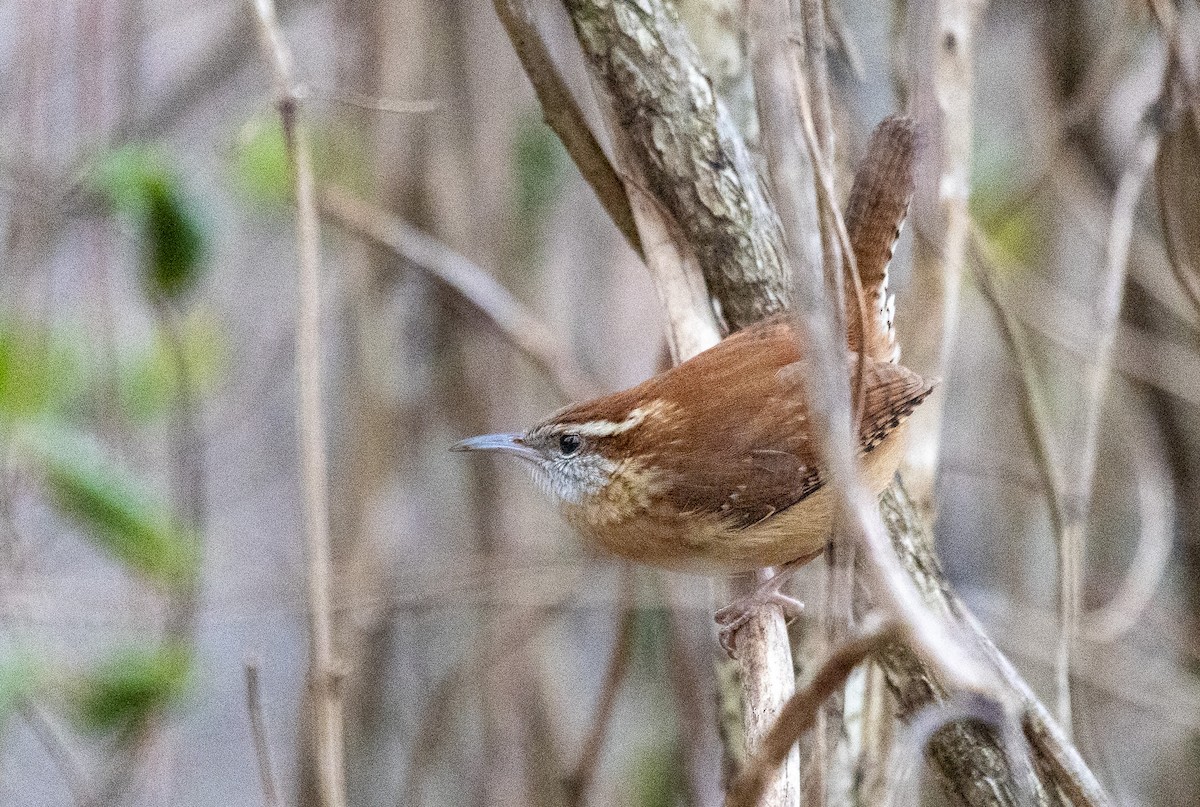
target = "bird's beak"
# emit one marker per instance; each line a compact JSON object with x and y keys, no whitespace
{"x":500,"y":443}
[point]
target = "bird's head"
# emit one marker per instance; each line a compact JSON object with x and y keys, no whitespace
{"x":575,"y":454}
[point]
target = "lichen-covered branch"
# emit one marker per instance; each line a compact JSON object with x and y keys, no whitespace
{"x":692,"y":159}
{"x":970,"y":757}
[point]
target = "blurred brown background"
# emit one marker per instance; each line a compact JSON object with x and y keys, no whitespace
{"x":475,"y":630}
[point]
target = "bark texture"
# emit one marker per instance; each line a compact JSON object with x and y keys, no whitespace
{"x":692,"y":158}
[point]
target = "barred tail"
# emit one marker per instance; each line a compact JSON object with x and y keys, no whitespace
{"x":879,"y":199}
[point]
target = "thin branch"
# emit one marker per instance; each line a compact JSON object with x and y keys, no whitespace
{"x":58,"y":750}
{"x":802,"y":709}
{"x":1048,"y":464}
{"x":478,"y":286}
{"x":1037,"y":420}
{"x":1110,"y":621}
{"x":564,"y":116}
{"x":830,"y":412}
{"x":691,"y":324}
{"x":1151,"y":557}
{"x":360,"y":100}
{"x":580,"y":781}
{"x":968,"y":755}
{"x":324,"y":672}
{"x":189,"y":450}
{"x":1112,"y":287}
{"x":258,"y":733}
{"x":843,"y":39}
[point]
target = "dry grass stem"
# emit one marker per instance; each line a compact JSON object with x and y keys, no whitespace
{"x":324,"y":672}
{"x":476,"y":285}
{"x":58,"y":749}
{"x":1153,"y":545}
{"x":1037,"y":420}
{"x":1151,"y":557}
{"x":360,"y":100}
{"x":258,"y":734}
{"x":1108,"y":311}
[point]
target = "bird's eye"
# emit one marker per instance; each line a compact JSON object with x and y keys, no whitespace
{"x":569,"y":444}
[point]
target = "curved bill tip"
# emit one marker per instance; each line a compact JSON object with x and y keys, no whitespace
{"x":500,"y":443}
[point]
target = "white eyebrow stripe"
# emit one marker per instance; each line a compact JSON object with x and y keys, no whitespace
{"x":608,"y":428}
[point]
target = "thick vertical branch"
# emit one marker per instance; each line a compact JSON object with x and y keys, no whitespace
{"x":324,"y":675}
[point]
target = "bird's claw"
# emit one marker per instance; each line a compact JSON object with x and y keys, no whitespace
{"x":734,"y":616}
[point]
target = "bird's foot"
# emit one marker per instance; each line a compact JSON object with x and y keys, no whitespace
{"x":734,"y":616}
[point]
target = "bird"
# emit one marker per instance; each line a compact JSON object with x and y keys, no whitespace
{"x":712,"y":466}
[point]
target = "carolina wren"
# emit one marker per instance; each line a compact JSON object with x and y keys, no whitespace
{"x":710,"y":466}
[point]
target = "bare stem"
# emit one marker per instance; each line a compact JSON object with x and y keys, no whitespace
{"x":324,"y":673}
{"x":1108,"y":312}
{"x":258,"y":733}
{"x":57,"y":748}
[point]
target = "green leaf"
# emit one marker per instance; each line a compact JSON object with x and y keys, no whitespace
{"x":541,"y":165}
{"x":117,"y":511}
{"x":132,"y":685}
{"x":140,"y":187}
{"x":261,"y":163}
{"x":41,"y":372}
{"x":651,"y":637}
{"x":1003,"y":207}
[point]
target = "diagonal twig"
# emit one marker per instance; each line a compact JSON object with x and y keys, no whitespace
{"x":258,"y":734}
{"x":478,"y":286}
{"x":803,"y":708}
{"x":563,"y":115}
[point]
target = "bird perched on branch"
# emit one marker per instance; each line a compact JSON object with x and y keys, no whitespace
{"x":711,"y":466}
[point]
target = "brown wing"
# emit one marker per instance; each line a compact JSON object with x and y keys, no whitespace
{"x":745,"y":452}
{"x":878,"y":204}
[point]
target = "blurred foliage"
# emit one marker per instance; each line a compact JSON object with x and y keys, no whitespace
{"x":41,"y":372}
{"x":20,"y":674}
{"x":139,"y":186}
{"x":148,"y":378}
{"x":131,"y":685}
{"x":651,"y":640}
{"x":1004,"y":208}
{"x":658,"y":777}
{"x":116,"y":510}
{"x":540,"y":164}
{"x":262,"y":171}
